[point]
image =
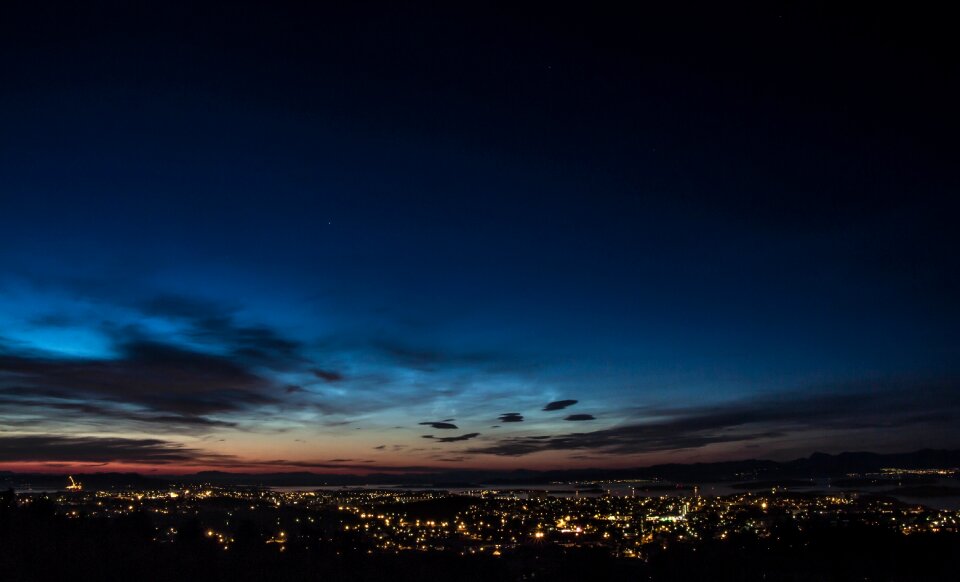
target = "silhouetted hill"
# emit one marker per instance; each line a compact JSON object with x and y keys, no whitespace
{"x":822,"y":464}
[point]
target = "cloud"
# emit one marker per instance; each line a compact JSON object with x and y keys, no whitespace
{"x":463,"y":437}
{"x":97,"y":411}
{"x":441,"y":425}
{"x":147,"y":382}
{"x":212,"y":369}
{"x":56,"y":448}
{"x":511,"y":417}
{"x":184,"y":307}
{"x":254,"y":345}
{"x":215,"y":324}
{"x":327,"y":375}
{"x":420,"y":357}
{"x":897,"y":407}
{"x":577,"y":417}
{"x":53,"y":320}
{"x":428,"y":359}
{"x":559,"y":405}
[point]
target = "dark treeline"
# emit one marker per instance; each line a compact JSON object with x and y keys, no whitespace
{"x":38,"y":543}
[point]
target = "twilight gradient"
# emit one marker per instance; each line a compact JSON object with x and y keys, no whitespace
{"x":347,"y":241}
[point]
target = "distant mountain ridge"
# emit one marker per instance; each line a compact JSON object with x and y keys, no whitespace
{"x":817,"y":465}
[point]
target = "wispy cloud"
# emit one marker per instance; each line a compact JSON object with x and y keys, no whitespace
{"x":58,"y":448}
{"x":96,"y":412}
{"x":900,"y":407}
{"x":454,"y":439}
{"x":156,"y":377}
{"x":328,"y":375}
{"x":215,"y":324}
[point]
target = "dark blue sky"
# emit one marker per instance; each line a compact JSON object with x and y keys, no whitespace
{"x":277,"y":236}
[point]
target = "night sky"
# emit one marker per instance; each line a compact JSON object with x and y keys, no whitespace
{"x":279,"y":236}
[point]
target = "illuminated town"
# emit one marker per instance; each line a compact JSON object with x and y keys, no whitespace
{"x":622,"y":529}
{"x":489,"y":521}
